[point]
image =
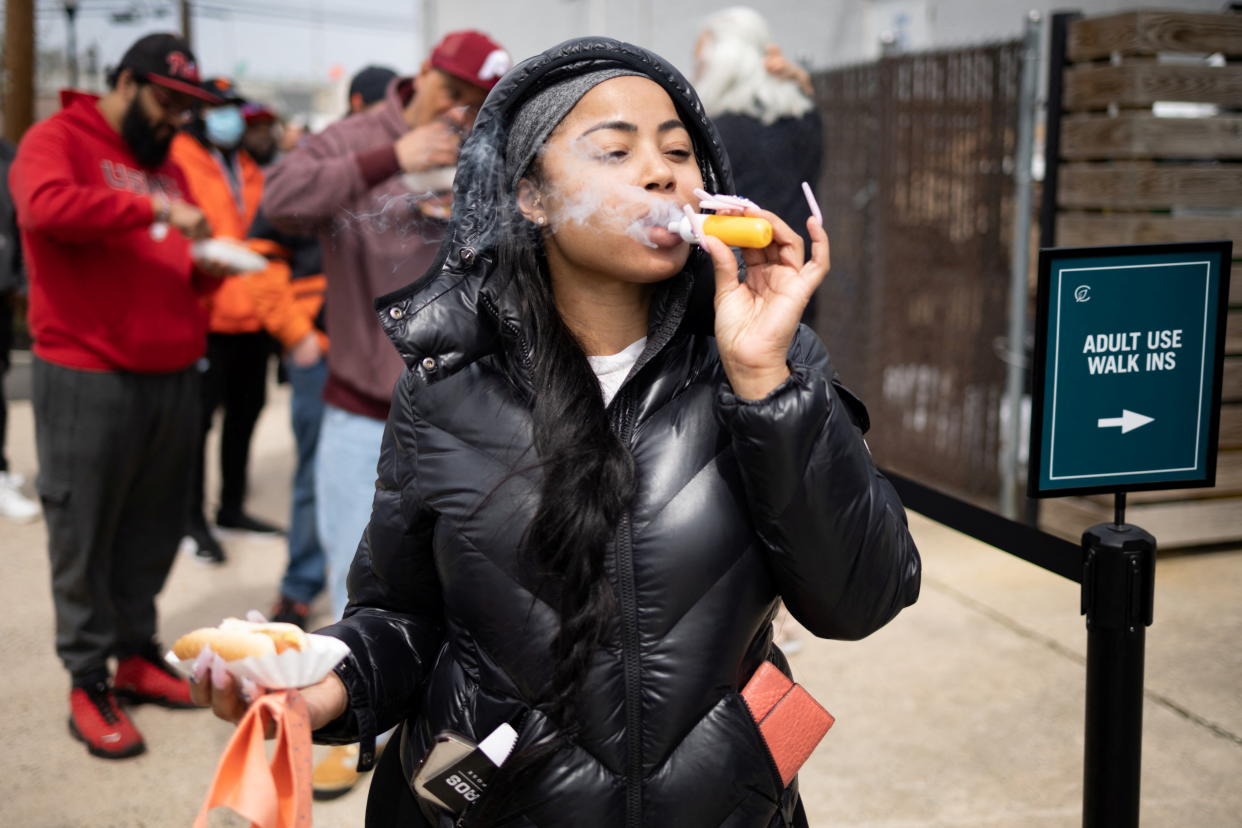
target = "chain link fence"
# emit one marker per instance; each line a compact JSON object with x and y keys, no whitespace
{"x":917,"y":190}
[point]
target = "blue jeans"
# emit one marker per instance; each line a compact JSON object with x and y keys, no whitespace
{"x":304,"y":575}
{"x":349,"y":449}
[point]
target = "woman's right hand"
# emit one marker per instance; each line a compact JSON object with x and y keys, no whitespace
{"x":216,"y":688}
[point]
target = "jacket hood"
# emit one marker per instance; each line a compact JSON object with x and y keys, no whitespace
{"x":480,"y":171}
{"x":70,"y":96}
{"x":416,"y":316}
{"x":82,"y":109}
{"x":396,"y":96}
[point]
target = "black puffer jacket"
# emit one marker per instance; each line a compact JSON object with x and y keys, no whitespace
{"x":738,"y":503}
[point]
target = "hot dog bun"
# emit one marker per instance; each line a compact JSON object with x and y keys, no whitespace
{"x":235,"y":639}
{"x":284,"y":636}
{"x":189,"y":645}
{"x":228,"y":644}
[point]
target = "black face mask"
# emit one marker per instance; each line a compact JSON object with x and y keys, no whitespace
{"x":149,"y":144}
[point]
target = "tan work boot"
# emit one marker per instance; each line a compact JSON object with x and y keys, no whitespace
{"x":336,"y":774}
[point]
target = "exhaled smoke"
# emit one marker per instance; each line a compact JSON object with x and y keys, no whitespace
{"x":408,"y":212}
{"x":483,"y":204}
{"x":625,"y":208}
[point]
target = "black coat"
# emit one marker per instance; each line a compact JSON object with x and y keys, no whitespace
{"x":10,"y":239}
{"x":738,"y":504}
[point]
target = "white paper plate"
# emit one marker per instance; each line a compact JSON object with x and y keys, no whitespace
{"x":292,"y":668}
{"x":435,"y":180}
{"x":234,"y":257}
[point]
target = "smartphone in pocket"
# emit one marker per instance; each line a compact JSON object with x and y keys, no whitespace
{"x":448,"y":749}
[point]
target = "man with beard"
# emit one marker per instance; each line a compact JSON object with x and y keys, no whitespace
{"x":262,"y":136}
{"x":106,"y":226}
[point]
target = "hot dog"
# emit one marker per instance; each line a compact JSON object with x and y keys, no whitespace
{"x":235,"y":639}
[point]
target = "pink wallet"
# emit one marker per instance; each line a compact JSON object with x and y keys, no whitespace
{"x":791,"y":722}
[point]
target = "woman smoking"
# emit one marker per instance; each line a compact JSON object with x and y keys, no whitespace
{"x":608,"y":459}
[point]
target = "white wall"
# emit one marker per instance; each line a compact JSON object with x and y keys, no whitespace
{"x":818,"y":32}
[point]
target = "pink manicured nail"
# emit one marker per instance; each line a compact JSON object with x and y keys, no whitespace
{"x":249,"y":690}
{"x":202,"y":664}
{"x":255,"y":617}
{"x":219,"y":673}
{"x":726,"y":204}
{"x":812,"y":203}
{"x":694,"y":227}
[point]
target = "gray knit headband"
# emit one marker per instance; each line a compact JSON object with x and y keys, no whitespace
{"x":542,"y":112}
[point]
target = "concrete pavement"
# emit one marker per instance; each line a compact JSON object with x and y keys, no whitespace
{"x":965,"y":711}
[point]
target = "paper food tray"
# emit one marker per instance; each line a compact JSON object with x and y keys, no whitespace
{"x":292,"y":668}
{"x":236,"y":257}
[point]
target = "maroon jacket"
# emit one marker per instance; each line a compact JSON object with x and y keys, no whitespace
{"x":345,"y":185}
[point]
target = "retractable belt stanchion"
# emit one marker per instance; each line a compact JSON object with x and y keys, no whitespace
{"x":1126,"y":392}
{"x":1118,"y":589}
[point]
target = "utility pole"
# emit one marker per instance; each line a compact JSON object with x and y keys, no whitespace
{"x":187,"y":23}
{"x":1019,"y":266}
{"x":71,"y":19}
{"x":18,"y":68}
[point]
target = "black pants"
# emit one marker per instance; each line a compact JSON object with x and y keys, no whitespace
{"x":6,"y":346}
{"x":390,"y":802}
{"x":235,"y":380}
{"x":115,"y":452}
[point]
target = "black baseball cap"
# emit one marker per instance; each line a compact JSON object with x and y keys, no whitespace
{"x":223,"y":89}
{"x":371,"y":83}
{"x":166,"y":60}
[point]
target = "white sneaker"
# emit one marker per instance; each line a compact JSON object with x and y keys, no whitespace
{"x":13,"y":504}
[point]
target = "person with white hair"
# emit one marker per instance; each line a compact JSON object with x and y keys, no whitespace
{"x":762,"y":107}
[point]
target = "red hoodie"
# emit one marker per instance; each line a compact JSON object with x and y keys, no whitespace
{"x":105,"y":295}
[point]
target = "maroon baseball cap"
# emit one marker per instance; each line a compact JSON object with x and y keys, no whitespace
{"x":166,"y":60}
{"x":471,"y":56}
{"x":256,"y":113}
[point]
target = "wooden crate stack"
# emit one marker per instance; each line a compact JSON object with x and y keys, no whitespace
{"x":1128,"y":176}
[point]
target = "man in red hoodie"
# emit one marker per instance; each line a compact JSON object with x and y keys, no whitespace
{"x":118,"y":327}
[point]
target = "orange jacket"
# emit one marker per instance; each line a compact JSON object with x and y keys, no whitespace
{"x":286,"y":307}
{"x":231,"y":309}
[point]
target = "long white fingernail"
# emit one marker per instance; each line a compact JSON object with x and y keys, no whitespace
{"x":812,"y":203}
{"x":694,"y":225}
{"x":219,"y":673}
{"x":202,"y":663}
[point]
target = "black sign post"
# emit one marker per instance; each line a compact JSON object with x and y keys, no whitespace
{"x":1129,"y":357}
{"x":1118,"y":587}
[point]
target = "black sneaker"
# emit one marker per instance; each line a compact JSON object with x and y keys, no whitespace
{"x":242,"y":522}
{"x":289,"y":611}
{"x":206,"y":548}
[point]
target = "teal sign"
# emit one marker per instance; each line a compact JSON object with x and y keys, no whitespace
{"x":1128,"y":368}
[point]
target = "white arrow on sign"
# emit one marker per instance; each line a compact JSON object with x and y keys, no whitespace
{"x":1127,"y":422}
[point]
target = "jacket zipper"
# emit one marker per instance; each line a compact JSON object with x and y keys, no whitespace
{"x":630,"y":647}
{"x":513,"y":330}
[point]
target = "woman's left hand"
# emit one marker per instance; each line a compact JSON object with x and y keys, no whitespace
{"x":756,"y":319}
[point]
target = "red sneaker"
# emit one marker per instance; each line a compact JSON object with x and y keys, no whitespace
{"x":97,"y":720}
{"x":139,"y":680}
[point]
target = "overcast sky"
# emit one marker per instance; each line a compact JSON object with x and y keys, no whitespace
{"x":280,"y":39}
